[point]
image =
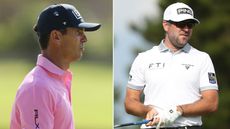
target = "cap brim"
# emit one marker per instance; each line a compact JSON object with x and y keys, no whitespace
{"x":89,"y":26}
{"x":195,"y":20}
{"x":192,"y":20}
{"x":35,"y":28}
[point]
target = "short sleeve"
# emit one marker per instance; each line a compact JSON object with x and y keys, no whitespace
{"x":15,"y":122}
{"x":208,"y":78}
{"x":136,"y":75}
{"x":33,"y":109}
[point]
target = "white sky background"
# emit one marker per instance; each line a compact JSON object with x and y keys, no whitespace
{"x":125,"y":40}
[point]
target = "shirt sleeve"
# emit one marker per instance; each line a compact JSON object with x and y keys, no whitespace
{"x":136,"y":75}
{"x":207,"y":75}
{"x":33,"y":109}
{"x":15,"y":118}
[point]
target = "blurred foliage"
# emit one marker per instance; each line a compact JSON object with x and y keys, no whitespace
{"x":18,"y":40}
{"x":211,"y":36}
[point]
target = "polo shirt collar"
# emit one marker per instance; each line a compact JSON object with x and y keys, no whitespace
{"x":49,"y":66}
{"x":186,"y":48}
{"x":163,"y":48}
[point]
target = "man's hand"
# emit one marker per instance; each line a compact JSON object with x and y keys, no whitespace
{"x":163,"y":117}
{"x":168,"y":116}
{"x":151,"y":116}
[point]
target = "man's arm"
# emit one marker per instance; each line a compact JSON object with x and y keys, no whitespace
{"x":133,"y":104}
{"x":207,"y":104}
{"x":33,"y":109}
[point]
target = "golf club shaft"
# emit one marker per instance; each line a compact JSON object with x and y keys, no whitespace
{"x":132,"y":123}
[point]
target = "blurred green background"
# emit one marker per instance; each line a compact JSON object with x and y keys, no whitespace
{"x":92,"y":76}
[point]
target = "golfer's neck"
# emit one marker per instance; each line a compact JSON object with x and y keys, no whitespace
{"x":56,"y":59}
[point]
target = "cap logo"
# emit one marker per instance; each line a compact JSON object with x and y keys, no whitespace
{"x":130,"y":77}
{"x":212,"y":78}
{"x":76,"y":14}
{"x":56,"y":14}
{"x":184,"y":11}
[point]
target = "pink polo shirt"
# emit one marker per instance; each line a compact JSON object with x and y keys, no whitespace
{"x":43,"y":100}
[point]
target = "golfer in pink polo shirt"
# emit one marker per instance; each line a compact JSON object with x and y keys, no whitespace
{"x":43,"y":100}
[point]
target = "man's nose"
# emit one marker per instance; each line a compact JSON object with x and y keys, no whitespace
{"x":83,"y":38}
{"x":186,"y":28}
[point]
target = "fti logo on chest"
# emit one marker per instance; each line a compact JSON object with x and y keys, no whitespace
{"x":158,"y":65}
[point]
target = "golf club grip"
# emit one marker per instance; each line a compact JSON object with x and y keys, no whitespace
{"x":142,"y":122}
{"x":134,"y":123}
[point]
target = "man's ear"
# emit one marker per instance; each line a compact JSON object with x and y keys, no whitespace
{"x":55,"y":35}
{"x":165,"y":25}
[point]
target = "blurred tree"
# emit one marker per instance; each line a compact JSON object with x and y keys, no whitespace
{"x":211,"y":36}
{"x":16,"y":35}
{"x":17,"y":19}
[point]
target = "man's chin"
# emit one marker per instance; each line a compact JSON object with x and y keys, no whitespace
{"x":77,"y":57}
{"x":180,"y":45}
{"x":183,"y":43}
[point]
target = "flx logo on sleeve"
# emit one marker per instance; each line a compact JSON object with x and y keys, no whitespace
{"x":212,"y":78}
{"x":36,"y":119}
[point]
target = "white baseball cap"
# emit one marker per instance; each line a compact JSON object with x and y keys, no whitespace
{"x":178,"y":12}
